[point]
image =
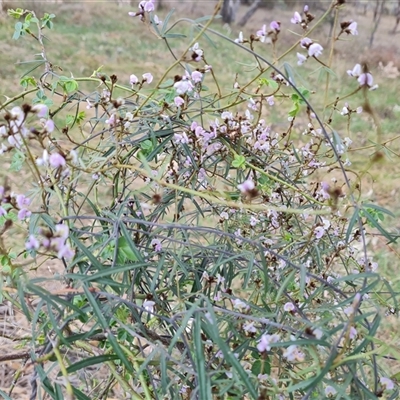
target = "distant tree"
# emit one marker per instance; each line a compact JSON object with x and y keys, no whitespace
{"x":229,"y":10}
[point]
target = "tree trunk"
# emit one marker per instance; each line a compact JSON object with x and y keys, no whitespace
{"x":250,"y":13}
{"x":229,"y":10}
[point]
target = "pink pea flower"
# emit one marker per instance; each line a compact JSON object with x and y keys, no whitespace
{"x":246,"y":186}
{"x":271,"y":100}
{"x":365,"y":79}
{"x":57,"y":160}
{"x":32,"y":243}
{"x":275,"y":26}
{"x":179,"y":101}
{"x":289,"y":307}
{"x":356,"y":71}
{"x":197,"y":76}
{"x":240,"y":38}
{"x":387,"y":383}
{"x":264,"y":344}
{"x":315,"y":50}
{"x":148,"y":305}
{"x":262,"y":33}
{"x":156,"y":243}
{"x":183,"y":86}
{"x":62,"y":230}
{"x":65,"y":251}
{"x":352,"y":29}
{"x":22,"y":201}
{"x":41,"y":110}
{"x":296,"y":18}
{"x":157,"y":20}
{"x":49,"y":125}
{"x":148,"y":77}
{"x":147,"y":5}
{"x":112,"y":120}
{"x":133,"y":79}
{"x":301,"y":59}
{"x":305,"y":42}
{"x":319,"y":232}
{"x":23,"y":214}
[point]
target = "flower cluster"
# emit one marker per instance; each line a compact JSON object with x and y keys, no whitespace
{"x":52,"y":241}
{"x":302,"y":21}
{"x":15,"y":130}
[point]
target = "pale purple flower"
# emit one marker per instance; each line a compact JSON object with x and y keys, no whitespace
{"x":179,"y":102}
{"x":224,"y":215}
{"x":317,"y":333}
{"x":356,"y":71}
{"x":57,"y":160}
{"x":44,"y":159}
{"x":183,"y":86}
{"x":74,"y":156}
{"x":65,"y":251}
{"x":157,"y":20}
{"x":359,"y":110}
{"x":264,"y":344}
{"x":22,"y":201}
{"x":240,"y":38}
{"x":148,"y":305}
{"x":62,"y":230}
{"x":387,"y":383}
{"x":301,"y":59}
{"x":262,"y":377}
{"x":156,"y":243}
{"x":246,"y":186}
{"x":262,"y":33}
{"x":296,"y":18}
{"x":344,"y":111}
{"x":32,"y":243}
{"x":275,"y":26}
{"x":315,"y":50}
{"x":365,"y":79}
{"x":197,"y":52}
{"x":330,"y":391}
{"x":147,"y":77}
{"x":349,"y":310}
{"x":2,"y":212}
{"x":305,"y":9}
{"x":133,"y":79}
{"x":254,"y":221}
{"x":112,"y":120}
{"x":181,"y":138}
{"x":353,"y":332}
{"x":319,"y":232}
{"x":305,"y":42}
{"x":24,"y":213}
{"x":352,"y":29}
{"x":289,"y":307}
{"x":197,"y":76}
{"x":147,"y":5}
{"x":49,"y":125}
{"x":239,"y":304}
{"x":41,"y":110}
{"x":249,"y":327}
{"x":292,"y":353}
{"x":218,"y":296}
{"x":271,"y":100}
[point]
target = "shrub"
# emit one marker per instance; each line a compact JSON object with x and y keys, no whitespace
{"x":203,"y":253}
